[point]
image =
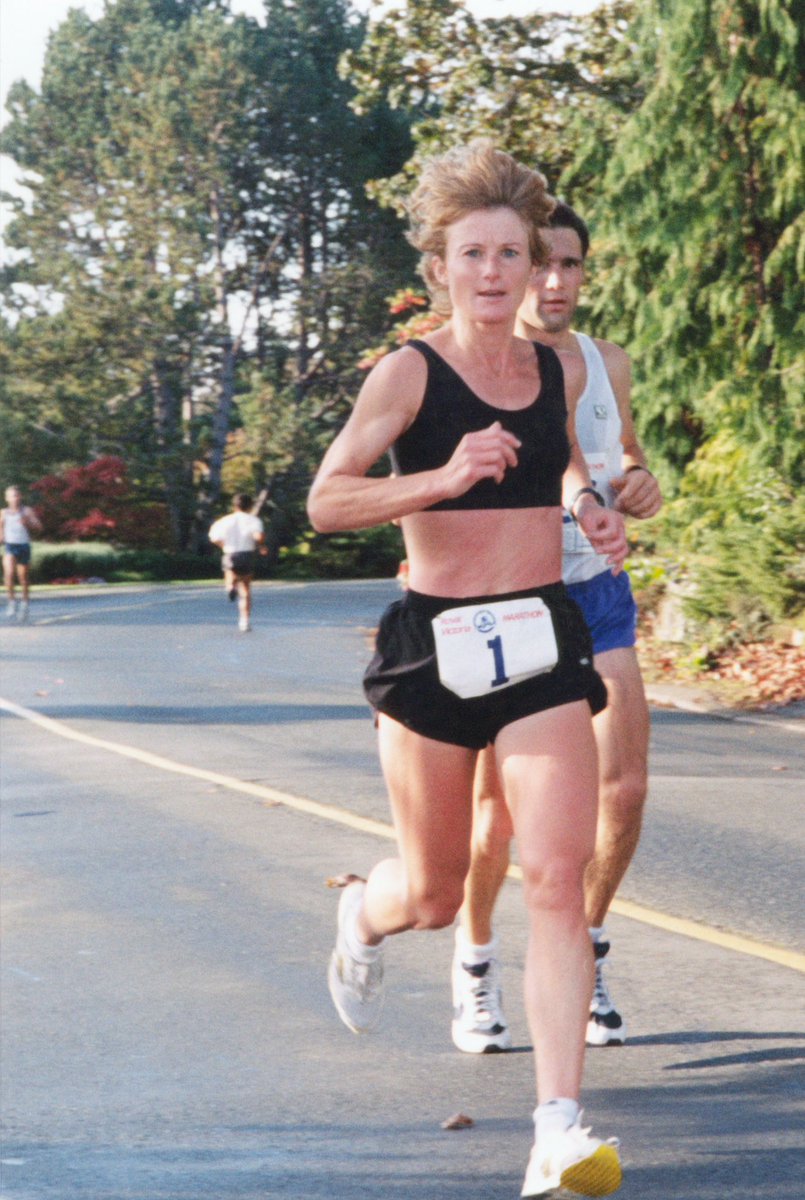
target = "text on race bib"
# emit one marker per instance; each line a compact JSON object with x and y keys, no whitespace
{"x":481,"y":648}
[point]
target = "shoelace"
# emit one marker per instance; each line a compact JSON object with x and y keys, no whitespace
{"x":601,"y":996}
{"x":483,"y":989}
{"x":364,"y":978}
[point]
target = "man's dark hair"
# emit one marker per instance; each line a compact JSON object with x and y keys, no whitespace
{"x":242,"y":501}
{"x":563,"y":217}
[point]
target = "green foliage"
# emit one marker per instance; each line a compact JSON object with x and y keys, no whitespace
{"x":532,"y":83}
{"x":77,"y":562}
{"x":740,"y":530}
{"x":197,"y":185}
{"x":369,"y":554}
{"x":700,"y":234}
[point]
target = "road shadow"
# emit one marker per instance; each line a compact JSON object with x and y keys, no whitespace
{"x":224,"y":714}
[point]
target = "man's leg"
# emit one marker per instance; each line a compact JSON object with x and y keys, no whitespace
{"x":479,"y":1026}
{"x":9,"y":564}
{"x":244,"y":586}
{"x":621,"y":734}
{"x":23,"y":578}
{"x":230,"y":586}
{"x":491,"y":834}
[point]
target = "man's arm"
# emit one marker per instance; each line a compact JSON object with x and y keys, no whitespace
{"x":603,"y":526}
{"x":31,"y":521}
{"x":260,"y":539}
{"x":639,"y":493}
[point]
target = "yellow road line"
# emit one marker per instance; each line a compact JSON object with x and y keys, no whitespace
{"x":702,"y":933}
{"x":342,"y":816}
{"x":268,"y":794}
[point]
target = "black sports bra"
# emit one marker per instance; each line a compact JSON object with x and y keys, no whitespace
{"x":450,"y":409}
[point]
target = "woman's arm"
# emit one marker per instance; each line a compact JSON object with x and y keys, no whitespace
{"x":343,"y":498}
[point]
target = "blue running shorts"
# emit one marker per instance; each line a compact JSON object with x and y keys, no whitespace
{"x":609,"y":609}
{"x":21,"y":551}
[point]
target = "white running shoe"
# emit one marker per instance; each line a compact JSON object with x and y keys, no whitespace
{"x":356,"y":987}
{"x":479,"y":1026}
{"x":244,"y":625}
{"x":22,"y":613}
{"x":605,"y":1026}
{"x":11,"y":608}
{"x":571,"y":1159}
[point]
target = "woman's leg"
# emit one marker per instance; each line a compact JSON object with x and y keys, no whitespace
{"x":430,"y":788}
{"x":549,"y":769}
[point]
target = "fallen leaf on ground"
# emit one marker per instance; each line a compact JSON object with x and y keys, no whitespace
{"x":458,"y":1121}
{"x":339,"y":881}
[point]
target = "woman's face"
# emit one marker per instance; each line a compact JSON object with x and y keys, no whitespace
{"x":486,"y":265}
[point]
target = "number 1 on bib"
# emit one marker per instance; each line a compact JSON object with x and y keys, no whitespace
{"x":495,"y":644}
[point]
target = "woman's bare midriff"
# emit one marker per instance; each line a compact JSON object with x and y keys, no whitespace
{"x":483,"y":552}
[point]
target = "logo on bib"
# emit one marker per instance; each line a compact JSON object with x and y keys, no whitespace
{"x":600,"y":411}
{"x":484,"y":621}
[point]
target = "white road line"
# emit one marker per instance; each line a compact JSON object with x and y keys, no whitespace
{"x":342,"y":816}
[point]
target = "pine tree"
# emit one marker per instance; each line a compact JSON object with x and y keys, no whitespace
{"x":700,"y":244}
{"x":198,"y":198}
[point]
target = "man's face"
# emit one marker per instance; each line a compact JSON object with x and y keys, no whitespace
{"x":553,"y":292}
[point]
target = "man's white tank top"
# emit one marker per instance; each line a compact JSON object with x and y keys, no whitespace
{"x":14,"y":531}
{"x":598,"y":429}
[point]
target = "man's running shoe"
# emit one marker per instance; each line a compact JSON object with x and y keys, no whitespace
{"x":479,"y":1026}
{"x":244,"y":625}
{"x":23,"y":612}
{"x":356,"y":987}
{"x":232,"y":593}
{"x":572,"y":1160}
{"x":11,"y":608}
{"x":605,"y":1026}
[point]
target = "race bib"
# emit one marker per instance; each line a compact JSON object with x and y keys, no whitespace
{"x":481,"y":648}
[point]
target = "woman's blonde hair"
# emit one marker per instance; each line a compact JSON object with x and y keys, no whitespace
{"x":464,"y":180}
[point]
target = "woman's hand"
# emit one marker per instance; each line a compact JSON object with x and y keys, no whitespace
{"x":487,"y":454}
{"x":605,"y":529}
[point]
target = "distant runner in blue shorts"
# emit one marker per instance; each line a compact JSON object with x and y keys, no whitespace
{"x":617,"y":466}
{"x":17,"y":523}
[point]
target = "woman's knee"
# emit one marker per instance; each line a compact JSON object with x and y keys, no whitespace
{"x":436,"y":906}
{"x":554,"y":885}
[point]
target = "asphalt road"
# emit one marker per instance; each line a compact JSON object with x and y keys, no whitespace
{"x":167,"y":1033}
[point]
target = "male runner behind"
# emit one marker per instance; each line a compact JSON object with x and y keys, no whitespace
{"x":239,"y":534}
{"x":598,"y":373}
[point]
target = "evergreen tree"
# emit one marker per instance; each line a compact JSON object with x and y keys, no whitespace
{"x":701,"y":247}
{"x":536,"y":84}
{"x":197,"y":198}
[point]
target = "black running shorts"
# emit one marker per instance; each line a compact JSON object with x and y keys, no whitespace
{"x":240,"y":562}
{"x":402,"y":680}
